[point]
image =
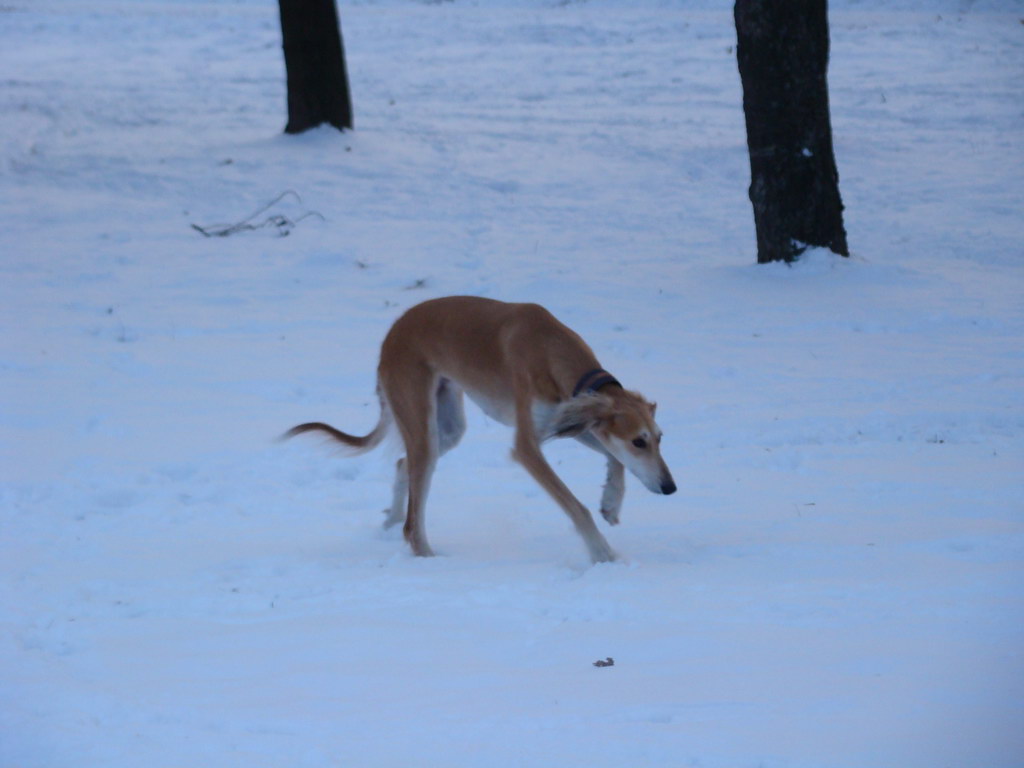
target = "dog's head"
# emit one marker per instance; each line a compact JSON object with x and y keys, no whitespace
{"x":623,"y":423}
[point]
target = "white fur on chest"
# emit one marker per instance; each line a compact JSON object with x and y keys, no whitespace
{"x":504,"y":412}
{"x":499,"y":410}
{"x":543,"y":416}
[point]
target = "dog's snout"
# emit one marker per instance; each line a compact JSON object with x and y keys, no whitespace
{"x":668,"y":487}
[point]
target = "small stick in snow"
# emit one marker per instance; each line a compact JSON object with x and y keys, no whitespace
{"x":283,"y":223}
{"x":609,"y":662}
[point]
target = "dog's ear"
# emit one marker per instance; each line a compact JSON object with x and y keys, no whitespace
{"x":569,"y":429}
{"x":576,"y":416}
{"x":652,"y":407}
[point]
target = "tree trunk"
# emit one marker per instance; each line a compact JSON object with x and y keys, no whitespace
{"x":782,"y":52}
{"x":314,"y":58}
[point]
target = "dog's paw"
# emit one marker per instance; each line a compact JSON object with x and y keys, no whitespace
{"x":600,"y":552}
{"x":611,"y":516}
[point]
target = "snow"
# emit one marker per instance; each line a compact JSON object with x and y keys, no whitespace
{"x":838,"y":581}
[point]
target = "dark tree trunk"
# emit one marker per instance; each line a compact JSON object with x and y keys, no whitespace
{"x":314,"y":58}
{"x":782,"y":51}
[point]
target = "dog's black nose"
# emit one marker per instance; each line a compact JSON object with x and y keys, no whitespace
{"x":668,"y":487}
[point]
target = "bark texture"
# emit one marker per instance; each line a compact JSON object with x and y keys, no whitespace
{"x":782,"y":52}
{"x":314,"y":58}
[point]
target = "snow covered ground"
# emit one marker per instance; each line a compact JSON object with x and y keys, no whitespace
{"x":838,"y":582}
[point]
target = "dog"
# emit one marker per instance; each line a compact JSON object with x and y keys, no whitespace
{"x":524,"y":369}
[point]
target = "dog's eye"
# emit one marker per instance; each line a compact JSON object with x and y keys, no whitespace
{"x":640,"y":443}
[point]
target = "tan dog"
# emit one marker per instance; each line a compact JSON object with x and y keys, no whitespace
{"x":523,"y":368}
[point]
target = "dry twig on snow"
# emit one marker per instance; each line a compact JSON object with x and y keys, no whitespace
{"x":283,"y":223}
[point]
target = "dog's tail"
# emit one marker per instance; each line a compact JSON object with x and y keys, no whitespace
{"x":357,"y":445}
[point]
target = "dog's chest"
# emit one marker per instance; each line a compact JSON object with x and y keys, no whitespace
{"x":543,"y":416}
{"x":504,"y":412}
{"x":499,"y":410}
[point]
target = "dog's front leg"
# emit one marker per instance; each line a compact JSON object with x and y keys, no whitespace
{"x":614,"y":490}
{"x":527,"y":452}
{"x":614,"y":485}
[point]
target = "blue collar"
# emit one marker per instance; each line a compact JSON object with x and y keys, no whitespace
{"x":591,"y":381}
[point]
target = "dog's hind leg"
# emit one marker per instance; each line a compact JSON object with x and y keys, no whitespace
{"x":420,"y":461}
{"x":395,"y":514}
{"x":451,"y":426}
{"x":410,"y":391}
{"x":451,"y":415}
